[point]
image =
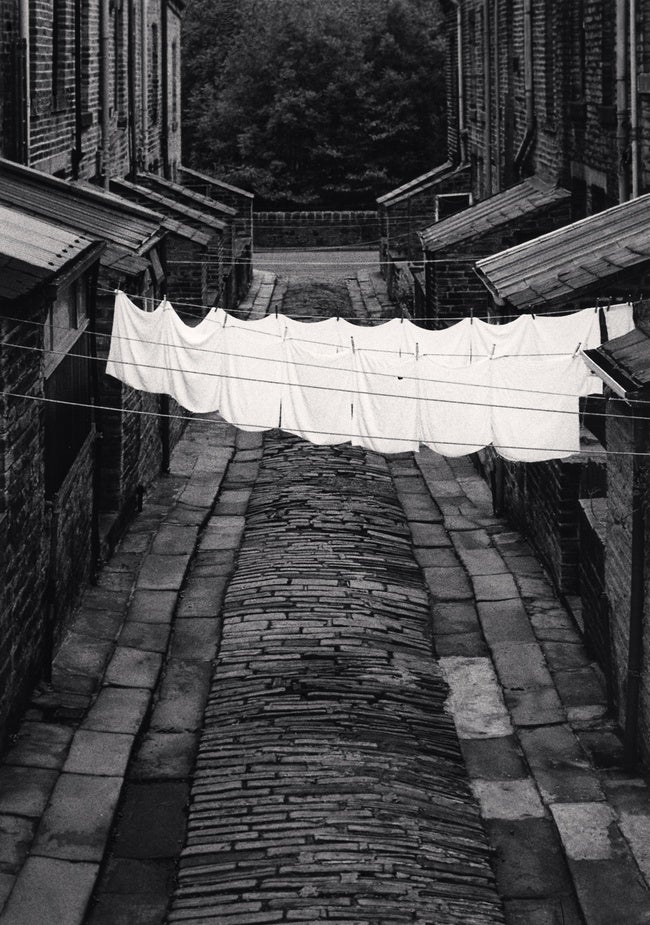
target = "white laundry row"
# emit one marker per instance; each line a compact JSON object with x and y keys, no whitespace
{"x":390,"y":387}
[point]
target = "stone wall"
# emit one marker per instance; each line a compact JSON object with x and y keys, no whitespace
{"x":315,"y":229}
{"x":543,"y":500}
{"x":592,"y":532}
{"x":23,"y":517}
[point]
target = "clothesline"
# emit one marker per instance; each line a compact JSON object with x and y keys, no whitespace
{"x":378,"y":321}
{"x":340,"y":397}
{"x":180,"y":417}
{"x":189,"y":372}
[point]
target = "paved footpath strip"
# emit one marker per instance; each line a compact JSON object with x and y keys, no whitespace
{"x":329,"y":783}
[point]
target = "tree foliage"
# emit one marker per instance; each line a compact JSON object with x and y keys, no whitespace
{"x":314,"y":104}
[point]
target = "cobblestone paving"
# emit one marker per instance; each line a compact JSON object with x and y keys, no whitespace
{"x":329,"y":783}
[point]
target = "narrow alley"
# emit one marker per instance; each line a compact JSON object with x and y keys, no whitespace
{"x":319,"y":684}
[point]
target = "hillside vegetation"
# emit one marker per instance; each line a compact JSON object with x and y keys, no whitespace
{"x":314,"y":104}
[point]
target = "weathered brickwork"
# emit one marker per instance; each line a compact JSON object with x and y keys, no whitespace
{"x":623,"y":469}
{"x":24,"y":517}
{"x":543,"y":498}
{"x":592,"y":539}
{"x":453,"y":288}
{"x":66,"y":130}
{"x":315,"y":229}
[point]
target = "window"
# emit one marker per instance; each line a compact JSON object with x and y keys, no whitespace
{"x":154,"y":79}
{"x":68,"y":419}
{"x":65,"y":321}
{"x":118,"y":58}
{"x":580,"y":68}
{"x":608,"y":59}
{"x":550,"y":38}
{"x":68,"y":385}
{"x":449,"y":203}
{"x":59,"y":48}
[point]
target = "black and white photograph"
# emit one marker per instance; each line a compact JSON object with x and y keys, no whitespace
{"x":324,"y":462}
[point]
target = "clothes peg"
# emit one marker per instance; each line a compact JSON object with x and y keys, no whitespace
{"x":494,"y":347}
{"x":276,"y":312}
{"x":471,"y":316}
{"x":576,"y":351}
{"x":225,"y":319}
{"x":417,"y":351}
{"x":352,"y":342}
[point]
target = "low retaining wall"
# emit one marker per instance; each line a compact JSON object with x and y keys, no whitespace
{"x":315,"y":229}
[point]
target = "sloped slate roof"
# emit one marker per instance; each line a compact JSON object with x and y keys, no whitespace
{"x":623,"y":363}
{"x":79,"y":207}
{"x":183,"y":194}
{"x":521,"y":200}
{"x":557,"y":265}
{"x":425,"y":180}
{"x":32,"y":251}
{"x":197,"y":180}
{"x":177,"y":219}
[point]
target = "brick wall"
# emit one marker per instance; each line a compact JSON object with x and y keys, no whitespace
{"x":592,"y":532}
{"x":54,"y":95}
{"x":71,"y":533}
{"x":23,"y":516}
{"x":543,"y":499}
{"x":401,"y":221}
{"x":622,"y":440}
{"x":315,"y":229}
{"x":453,"y":288}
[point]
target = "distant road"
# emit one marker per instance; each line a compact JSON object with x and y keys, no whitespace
{"x":316,"y":264}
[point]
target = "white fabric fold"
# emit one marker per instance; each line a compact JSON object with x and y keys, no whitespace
{"x":386,"y":404}
{"x":319,"y":394}
{"x":387,"y":387}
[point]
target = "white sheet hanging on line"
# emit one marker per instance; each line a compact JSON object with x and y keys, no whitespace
{"x":619,"y":320}
{"x":455,"y":407}
{"x":318,"y":398}
{"x":138,"y":342}
{"x":193,"y":358}
{"x":535,"y":407}
{"x":251,"y":367}
{"x":386,"y":403}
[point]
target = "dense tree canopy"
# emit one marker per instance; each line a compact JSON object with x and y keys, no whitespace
{"x":314,"y":104}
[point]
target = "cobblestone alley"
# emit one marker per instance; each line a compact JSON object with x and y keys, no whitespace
{"x":315,"y":684}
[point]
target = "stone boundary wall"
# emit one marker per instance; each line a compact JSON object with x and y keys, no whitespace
{"x":316,"y":229}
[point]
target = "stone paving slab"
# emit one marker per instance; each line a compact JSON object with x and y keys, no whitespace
{"x":50,"y":890}
{"x":67,"y":830}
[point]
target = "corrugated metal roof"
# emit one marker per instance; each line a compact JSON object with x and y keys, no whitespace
{"x":557,"y":265}
{"x":32,"y":251}
{"x":190,"y":197}
{"x":79,"y":207}
{"x":425,"y":180}
{"x":523,"y":199}
{"x":177,"y":219}
{"x":623,"y":363}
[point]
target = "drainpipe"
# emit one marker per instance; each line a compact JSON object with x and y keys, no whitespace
{"x":621,"y":100}
{"x":634,"y":110}
{"x":164,"y":59}
{"x":487,"y":81}
{"x":462,"y":129}
{"x":497,"y":97}
{"x":133,"y":133}
{"x":105,"y":33}
{"x":24,"y":37}
{"x":637,"y":581}
{"x":77,"y":154}
{"x":529,"y":136}
{"x":144,"y":82}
